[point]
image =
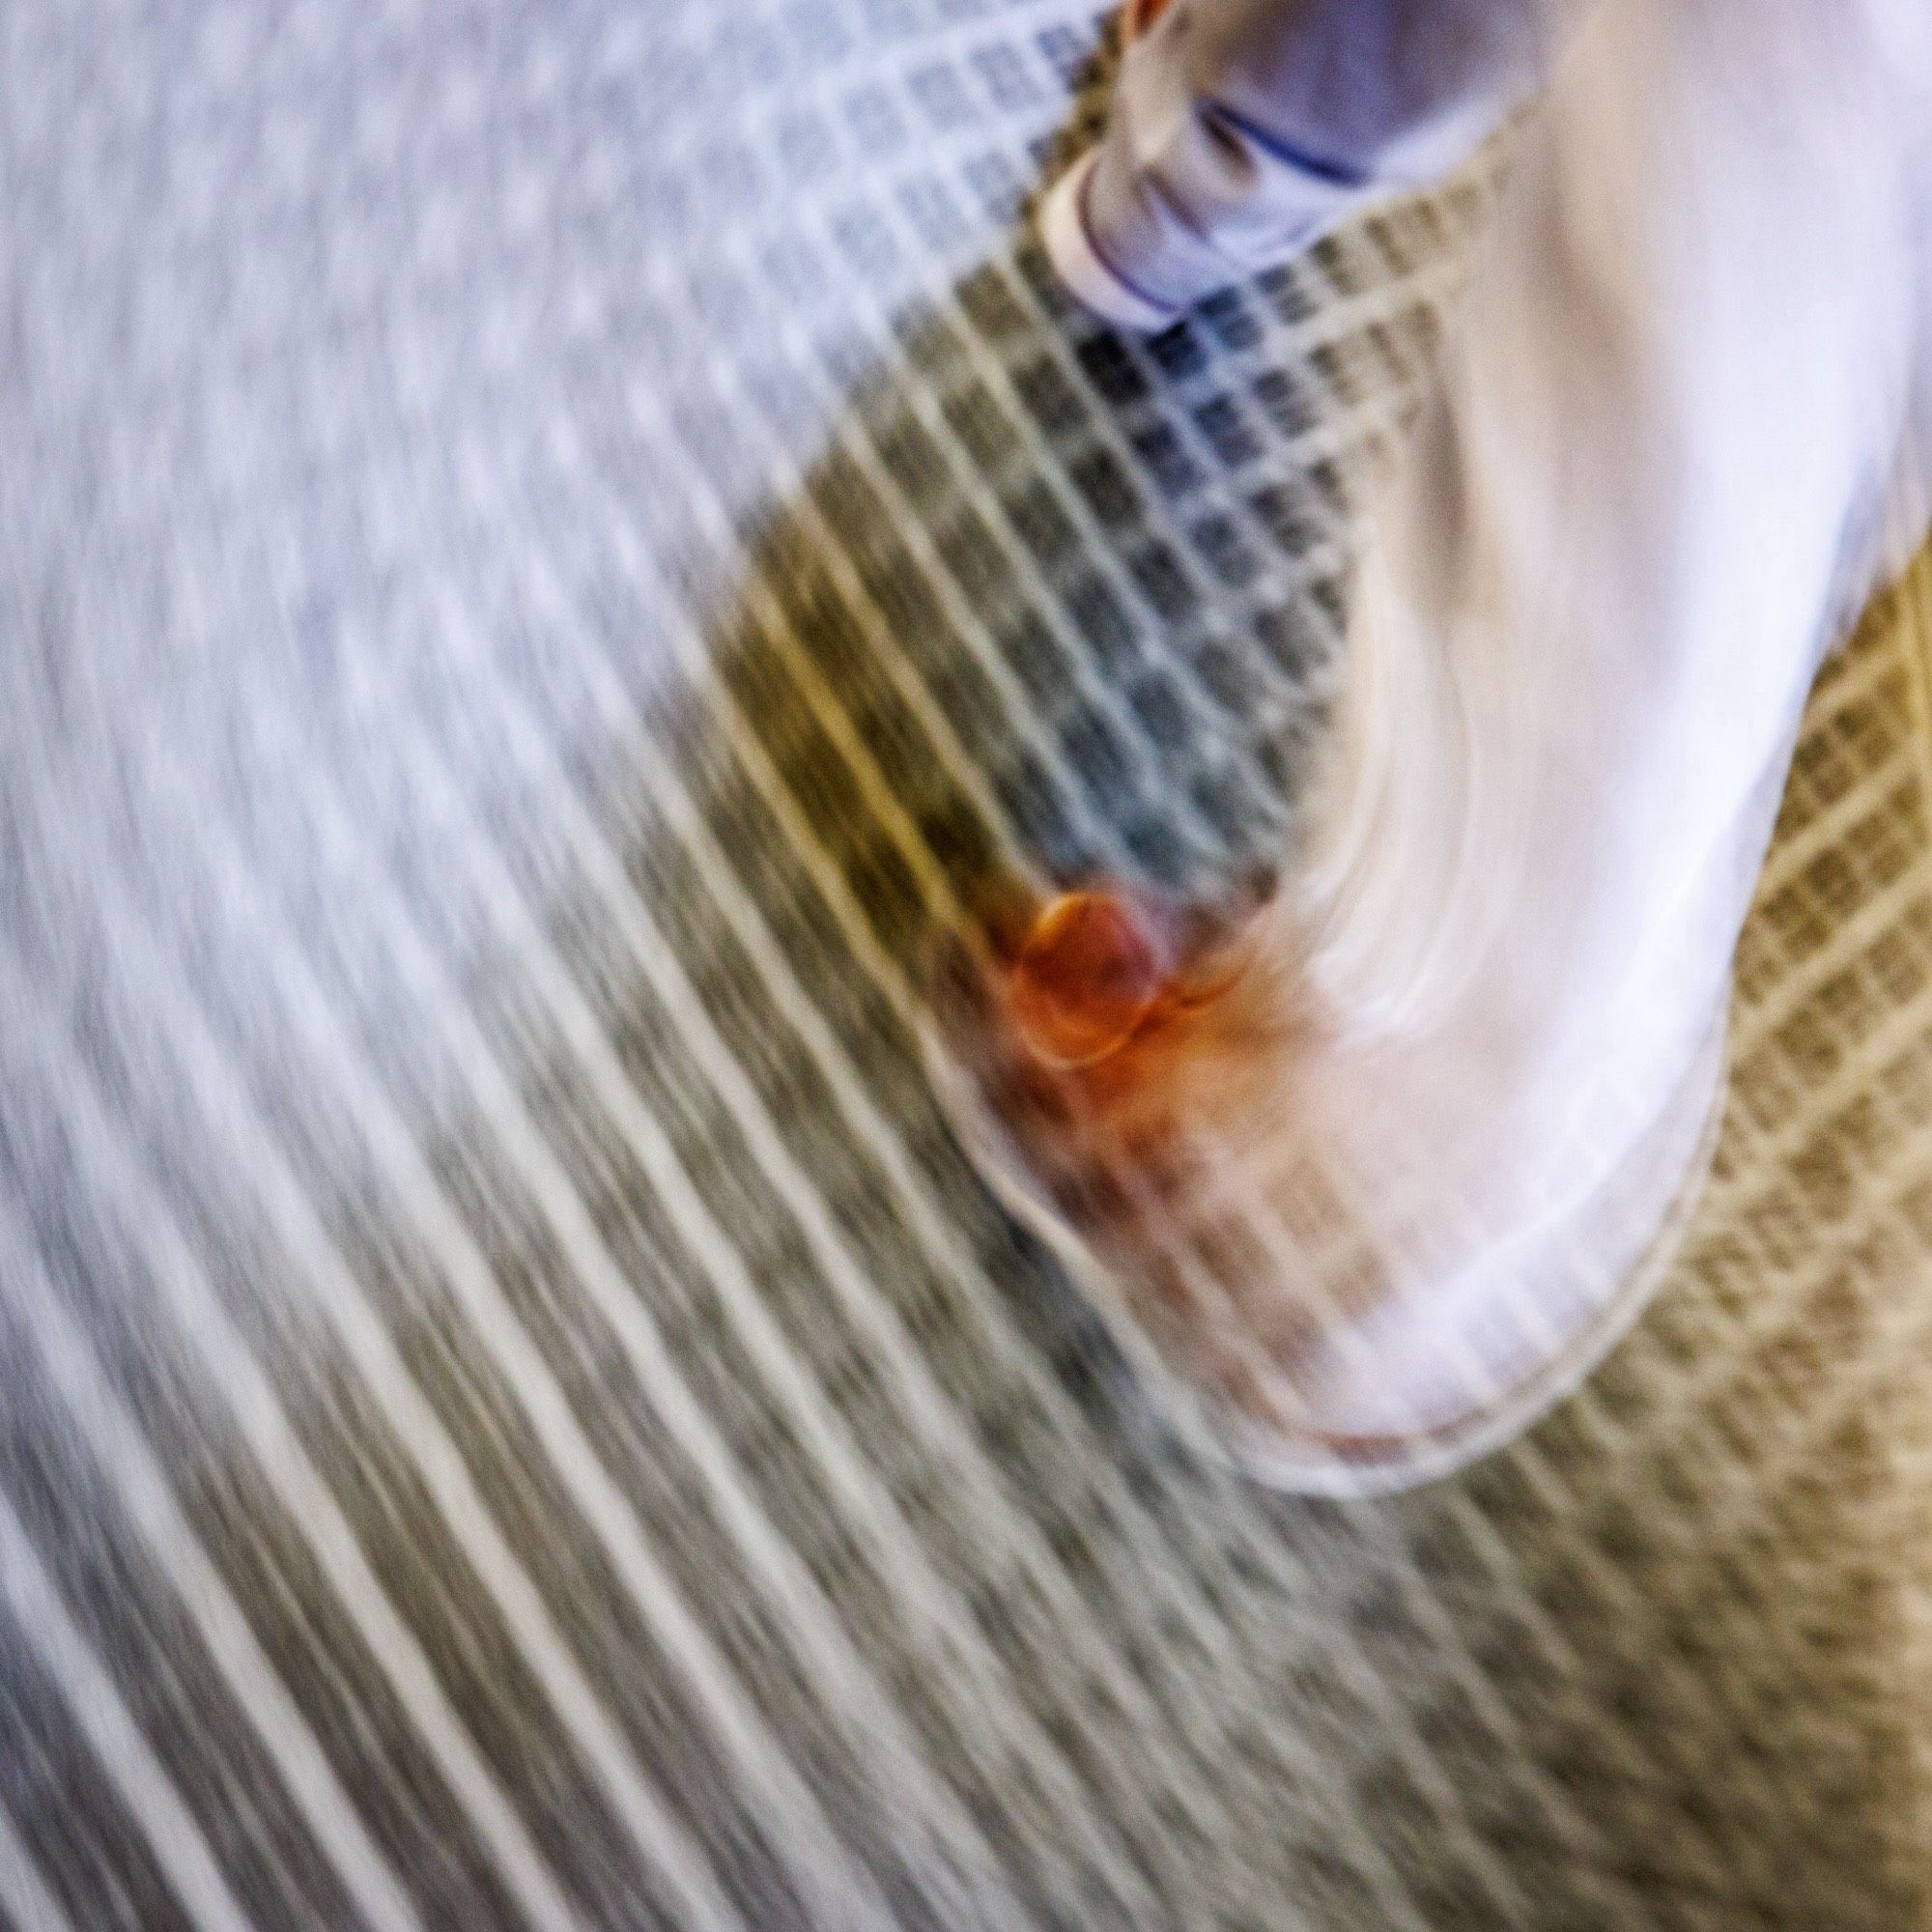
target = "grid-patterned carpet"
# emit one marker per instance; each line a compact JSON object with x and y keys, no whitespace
{"x":543,"y":550}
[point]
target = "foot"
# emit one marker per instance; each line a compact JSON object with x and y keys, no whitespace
{"x":1376,"y":1176}
{"x":1186,"y":193}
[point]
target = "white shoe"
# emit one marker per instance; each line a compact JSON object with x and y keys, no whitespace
{"x":1068,"y":238}
{"x":1183,"y":196}
{"x":1370,"y":1187}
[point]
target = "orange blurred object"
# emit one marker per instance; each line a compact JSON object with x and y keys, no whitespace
{"x":1088,"y":975}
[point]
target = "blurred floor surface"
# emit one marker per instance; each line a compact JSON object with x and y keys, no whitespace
{"x":542,"y":550}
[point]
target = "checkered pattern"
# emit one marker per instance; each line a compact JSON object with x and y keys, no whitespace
{"x":544,"y":552}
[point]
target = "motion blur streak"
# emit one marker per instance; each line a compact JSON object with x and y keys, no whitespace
{"x":549,"y":557}
{"x":1458,"y":1094}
